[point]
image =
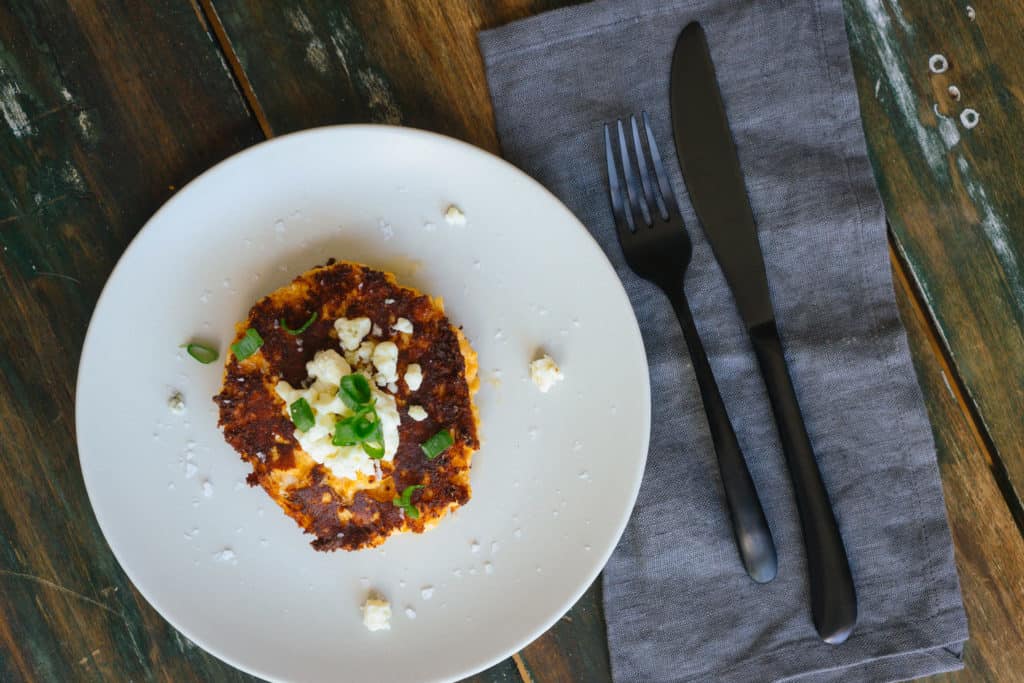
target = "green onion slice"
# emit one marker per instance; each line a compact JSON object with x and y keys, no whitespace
{"x":302,"y":415}
{"x":373,"y":444}
{"x":355,"y":391}
{"x":437,"y":444}
{"x":405,"y":501}
{"x":364,"y":429}
{"x":203,"y":354}
{"x":374,"y":450}
{"x":303,"y":328}
{"x":249,"y":344}
{"x":345,"y":434}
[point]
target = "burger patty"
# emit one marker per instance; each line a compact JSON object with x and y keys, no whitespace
{"x":353,"y":513}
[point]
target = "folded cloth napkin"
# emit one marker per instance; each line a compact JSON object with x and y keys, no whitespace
{"x":678,"y":604}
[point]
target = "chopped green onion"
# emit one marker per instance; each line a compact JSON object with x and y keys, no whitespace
{"x":373,"y":443}
{"x":437,"y":444}
{"x":203,"y":354}
{"x":303,"y":328}
{"x":363,"y":429}
{"x":302,"y":415}
{"x":249,"y":344}
{"x":355,"y":391}
{"x":405,"y":501}
{"x":374,"y":450}
{"x":344,"y":433}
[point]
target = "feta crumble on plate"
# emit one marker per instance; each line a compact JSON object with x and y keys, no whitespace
{"x":545,"y":373}
{"x":377,"y":614}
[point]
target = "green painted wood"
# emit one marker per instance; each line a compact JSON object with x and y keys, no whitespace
{"x":989,"y":548}
{"x":320,"y":62}
{"x":103,"y":110}
{"x":953,"y":194}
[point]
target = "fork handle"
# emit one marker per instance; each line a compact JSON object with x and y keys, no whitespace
{"x":833,"y":598}
{"x":753,"y":537}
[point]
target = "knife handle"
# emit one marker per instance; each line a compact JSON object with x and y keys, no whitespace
{"x":833,"y":598}
{"x":753,"y":537}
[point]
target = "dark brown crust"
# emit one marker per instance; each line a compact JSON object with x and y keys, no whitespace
{"x":254,"y":423}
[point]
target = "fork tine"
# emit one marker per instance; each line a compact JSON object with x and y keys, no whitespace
{"x":638,"y":207}
{"x":651,"y":196}
{"x":615,"y":188}
{"x":669,"y":198}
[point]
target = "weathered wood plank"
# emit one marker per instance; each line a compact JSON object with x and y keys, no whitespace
{"x":414,"y":63}
{"x":953,"y":193}
{"x":989,"y":547}
{"x":102,"y":112}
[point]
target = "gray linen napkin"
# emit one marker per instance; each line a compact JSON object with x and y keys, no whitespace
{"x":678,"y":604}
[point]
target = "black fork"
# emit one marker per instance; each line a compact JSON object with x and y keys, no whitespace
{"x":658,"y":248}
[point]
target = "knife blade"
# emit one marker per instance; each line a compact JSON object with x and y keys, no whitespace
{"x":711,"y":169}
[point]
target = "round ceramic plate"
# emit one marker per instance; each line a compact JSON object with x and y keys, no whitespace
{"x":553,"y":484}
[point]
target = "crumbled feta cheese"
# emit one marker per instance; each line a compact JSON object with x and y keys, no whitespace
{"x":176,"y":403}
{"x":427,"y":592}
{"x":392,"y":387}
{"x":351,"y":332}
{"x":207,"y":488}
{"x":385,"y":359}
{"x":377,"y":331}
{"x":190,"y":470}
{"x":377,"y":614}
{"x":226,"y":555}
{"x":410,"y":613}
{"x":328,"y":366}
{"x":545,"y":373}
{"x":403,"y":325}
{"x":453,"y":215}
{"x":413,"y":376}
{"x":346,"y":462}
{"x":417,"y":413}
{"x":361,"y":357}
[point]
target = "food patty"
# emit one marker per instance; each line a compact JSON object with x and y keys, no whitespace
{"x":341,"y":319}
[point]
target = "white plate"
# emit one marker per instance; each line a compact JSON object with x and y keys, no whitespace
{"x":553,"y":484}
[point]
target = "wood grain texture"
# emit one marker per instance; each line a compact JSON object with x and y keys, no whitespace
{"x":104,"y":109}
{"x":319,"y":62}
{"x":989,"y":548}
{"x":953,"y":194}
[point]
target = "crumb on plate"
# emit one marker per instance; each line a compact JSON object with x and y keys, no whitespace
{"x":545,"y":373}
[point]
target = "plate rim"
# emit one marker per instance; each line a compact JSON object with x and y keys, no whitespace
{"x":476,"y":665}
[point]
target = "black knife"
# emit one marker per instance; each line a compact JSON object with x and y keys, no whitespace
{"x":711,"y":169}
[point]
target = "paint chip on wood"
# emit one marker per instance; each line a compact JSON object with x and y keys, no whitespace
{"x":14,"y":115}
{"x":938,"y":64}
{"x":378,"y":95}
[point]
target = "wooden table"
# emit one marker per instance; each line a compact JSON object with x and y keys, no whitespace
{"x":109,"y":107}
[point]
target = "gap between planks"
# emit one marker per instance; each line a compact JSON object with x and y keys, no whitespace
{"x":207,"y":14}
{"x":955,"y":383}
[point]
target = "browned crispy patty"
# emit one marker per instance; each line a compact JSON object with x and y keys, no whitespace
{"x":346,"y":513}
